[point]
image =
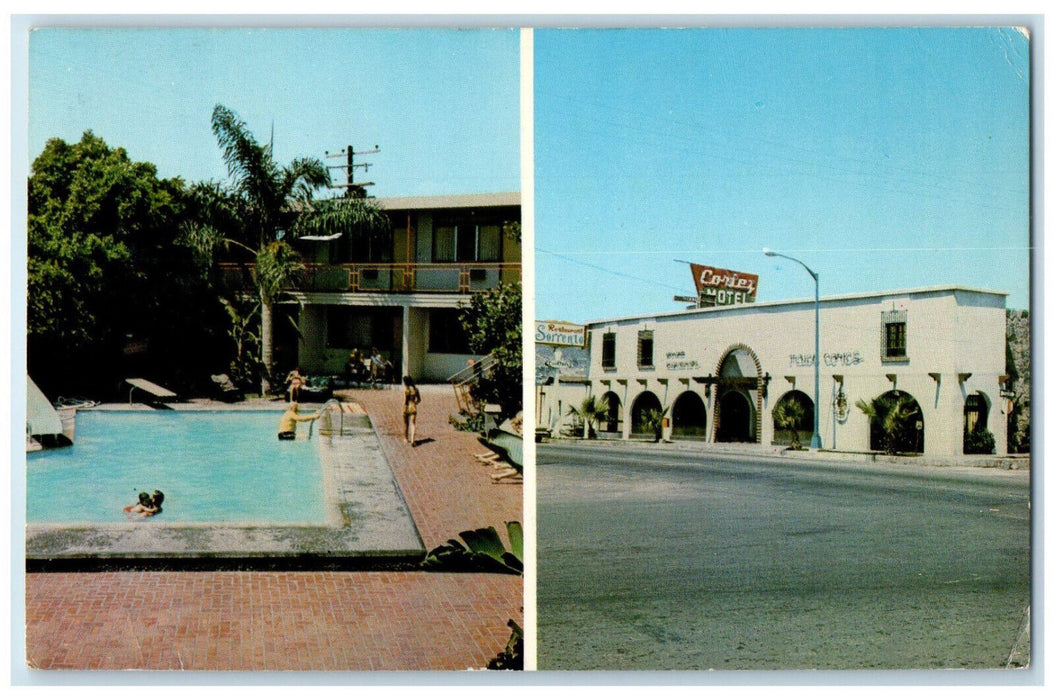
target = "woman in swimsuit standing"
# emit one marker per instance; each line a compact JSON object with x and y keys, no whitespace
{"x":411,"y":399}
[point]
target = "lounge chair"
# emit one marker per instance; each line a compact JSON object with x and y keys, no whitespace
{"x":225,"y":390}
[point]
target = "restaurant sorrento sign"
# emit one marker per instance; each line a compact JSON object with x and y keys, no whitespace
{"x":560,"y":333}
{"x":720,"y":287}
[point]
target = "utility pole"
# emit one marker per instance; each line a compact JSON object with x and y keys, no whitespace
{"x":352,"y":188}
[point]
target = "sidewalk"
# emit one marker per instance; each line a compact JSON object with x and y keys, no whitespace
{"x":305,"y":621}
{"x":1008,"y":462}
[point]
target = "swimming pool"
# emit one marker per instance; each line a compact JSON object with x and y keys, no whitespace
{"x":235,"y":496}
{"x":213,"y":466}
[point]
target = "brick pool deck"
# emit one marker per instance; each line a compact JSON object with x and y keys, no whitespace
{"x":304,"y":620}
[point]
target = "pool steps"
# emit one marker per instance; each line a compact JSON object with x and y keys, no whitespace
{"x":342,"y":418}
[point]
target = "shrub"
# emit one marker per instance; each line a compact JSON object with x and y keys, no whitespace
{"x":979,"y":442}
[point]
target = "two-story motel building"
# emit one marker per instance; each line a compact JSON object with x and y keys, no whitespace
{"x":721,"y":371}
{"x":399,"y":292}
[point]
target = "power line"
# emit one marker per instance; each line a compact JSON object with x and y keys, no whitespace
{"x":608,"y":271}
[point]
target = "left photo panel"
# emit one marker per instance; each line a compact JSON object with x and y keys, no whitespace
{"x":274,"y":363}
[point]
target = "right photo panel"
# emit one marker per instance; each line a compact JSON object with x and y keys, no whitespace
{"x":783,"y":348}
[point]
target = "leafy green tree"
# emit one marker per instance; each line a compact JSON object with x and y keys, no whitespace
{"x":108,"y":289}
{"x":262,"y":207}
{"x":591,"y":410}
{"x":492,"y":322}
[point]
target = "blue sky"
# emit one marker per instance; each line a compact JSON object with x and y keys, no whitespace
{"x":443,"y":105}
{"x":882,"y":158}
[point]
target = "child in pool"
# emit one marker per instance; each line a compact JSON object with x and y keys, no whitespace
{"x":147,"y":505}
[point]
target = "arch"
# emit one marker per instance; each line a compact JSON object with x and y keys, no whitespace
{"x":739,"y":360}
{"x":609,"y":422}
{"x":802,"y":427}
{"x":738,"y":396}
{"x":905,"y":431}
{"x":734,"y":421}
{"x":645,"y":401}
{"x":689,"y":416}
{"x":976,"y":424}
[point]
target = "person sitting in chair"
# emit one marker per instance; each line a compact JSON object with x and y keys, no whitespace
{"x":295,"y":380}
{"x":355,"y":368}
{"x":379,"y":366}
{"x":287,"y":425}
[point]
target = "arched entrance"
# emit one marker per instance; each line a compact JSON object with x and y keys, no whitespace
{"x":609,"y":422}
{"x":793,"y":418}
{"x":896,"y":423}
{"x":977,"y":439}
{"x":689,"y":416}
{"x":735,"y":421}
{"x":645,"y":402}
{"x":739,"y":388}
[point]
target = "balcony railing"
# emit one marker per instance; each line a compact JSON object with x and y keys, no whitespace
{"x":462,"y":277}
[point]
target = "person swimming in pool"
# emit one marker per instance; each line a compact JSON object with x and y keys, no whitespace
{"x":287,"y":425}
{"x":148,"y":505}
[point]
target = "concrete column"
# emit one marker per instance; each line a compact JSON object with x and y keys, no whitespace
{"x":311,"y":349}
{"x":626,"y":409}
{"x":415,"y":340}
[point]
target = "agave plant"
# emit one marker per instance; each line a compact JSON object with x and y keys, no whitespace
{"x":482,"y":551}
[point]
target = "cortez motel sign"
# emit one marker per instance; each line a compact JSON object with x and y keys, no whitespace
{"x":560,"y":333}
{"x":720,"y":287}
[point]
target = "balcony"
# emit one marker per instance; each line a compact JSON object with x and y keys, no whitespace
{"x":460,"y":278}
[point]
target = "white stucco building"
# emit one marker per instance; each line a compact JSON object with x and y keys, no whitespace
{"x":721,"y":371}
{"x":399,"y":292}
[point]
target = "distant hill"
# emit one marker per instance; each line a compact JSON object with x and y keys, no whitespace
{"x":553,"y":362}
{"x":1019,"y":368}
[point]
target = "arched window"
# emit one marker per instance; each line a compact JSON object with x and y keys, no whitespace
{"x":792,"y":419}
{"x":645,"y":402}
{"x":896,"y":423}
{"x":689,"y":416}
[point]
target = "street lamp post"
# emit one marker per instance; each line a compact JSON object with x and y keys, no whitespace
{"x":815,"y":441}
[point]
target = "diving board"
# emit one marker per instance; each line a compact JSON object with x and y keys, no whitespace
{"x":159,"y":392}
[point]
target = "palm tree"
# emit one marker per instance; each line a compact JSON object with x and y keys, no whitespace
{"x":652,"y":421}
{"x":788,"y":415}
{"x":265,"y":205}
{"x":589,"y":411}
{"x":893,"y":417}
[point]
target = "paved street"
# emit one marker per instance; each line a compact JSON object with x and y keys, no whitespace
{"x":305,"y":620}
{"x":668,"y":559}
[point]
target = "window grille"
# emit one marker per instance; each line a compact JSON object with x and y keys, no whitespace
{"x":894,"y":335}
{"x":644,"y":349}
{"x":608,"y":351}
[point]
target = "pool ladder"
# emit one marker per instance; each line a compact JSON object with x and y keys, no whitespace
{"x":326,"y":421}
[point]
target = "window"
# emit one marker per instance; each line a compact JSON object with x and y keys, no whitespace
{"x":644,"y":349}
{"x":443,"y":240}
{"x":446,"y":333}
{"x":608,"y":351}
{"x":466,"y":241}
{"x":894,"y":338}
{"x":349,"y":327}
{"x":362,"y":248}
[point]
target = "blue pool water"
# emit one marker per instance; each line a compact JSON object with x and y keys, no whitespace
{"x":213,"y":467}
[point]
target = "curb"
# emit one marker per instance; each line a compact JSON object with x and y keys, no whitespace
{"x":1008,"y":463}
